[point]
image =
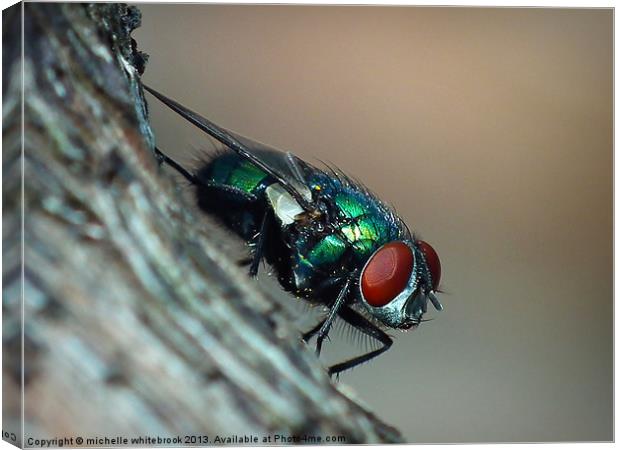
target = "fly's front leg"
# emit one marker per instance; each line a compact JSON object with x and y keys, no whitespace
{"x":336,"y":306}
{"x":318,"y":291}
{"x":362,"y":324}
{"x":310,"y":333}
{"x":328,"y":285}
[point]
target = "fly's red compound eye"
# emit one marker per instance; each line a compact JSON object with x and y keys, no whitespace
{"x":432,"y":260}
{"x":386,"y":274}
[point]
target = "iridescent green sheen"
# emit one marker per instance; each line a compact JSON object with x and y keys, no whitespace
{"x":364,"y":246}
{"x":350,"y":207}
{"x":327,"y":251}
{"x":365,"y":233}
{"x":246,"y":176}
{"x":373,"y":227}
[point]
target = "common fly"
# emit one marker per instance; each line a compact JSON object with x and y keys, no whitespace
{"x":329,"y":239}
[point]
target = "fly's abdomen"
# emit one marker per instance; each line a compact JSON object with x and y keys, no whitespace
{"x":232,"y":188}
{"x":231,"y":173}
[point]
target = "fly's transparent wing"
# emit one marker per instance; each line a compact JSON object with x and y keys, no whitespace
{"x":284,"y":167}
{"x":289,"y":166}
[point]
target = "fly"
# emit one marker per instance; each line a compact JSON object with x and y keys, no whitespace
{"x":329,"y":239}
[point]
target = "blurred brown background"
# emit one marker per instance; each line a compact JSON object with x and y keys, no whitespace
{"x":490,"y":131}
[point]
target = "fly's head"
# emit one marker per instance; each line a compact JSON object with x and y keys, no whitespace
{"x":397,"y":282}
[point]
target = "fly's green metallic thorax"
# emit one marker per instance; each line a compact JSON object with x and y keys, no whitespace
{"x":361,"y":224}
{"x":363,"y":230}
{"x":358,"y":222}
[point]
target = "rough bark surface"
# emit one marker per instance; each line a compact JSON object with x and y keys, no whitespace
{"x":136,"y":320}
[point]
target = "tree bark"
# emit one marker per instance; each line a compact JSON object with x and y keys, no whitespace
{"x":136,"y":320}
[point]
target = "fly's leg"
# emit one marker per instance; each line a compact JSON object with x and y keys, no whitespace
{"x":326,"y":325}
{"x":260,"y":245}
{"x":310,"y":333}
{"x":163,"y":158}
{"x":362,"y":324}
{"x":323,"y":286}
